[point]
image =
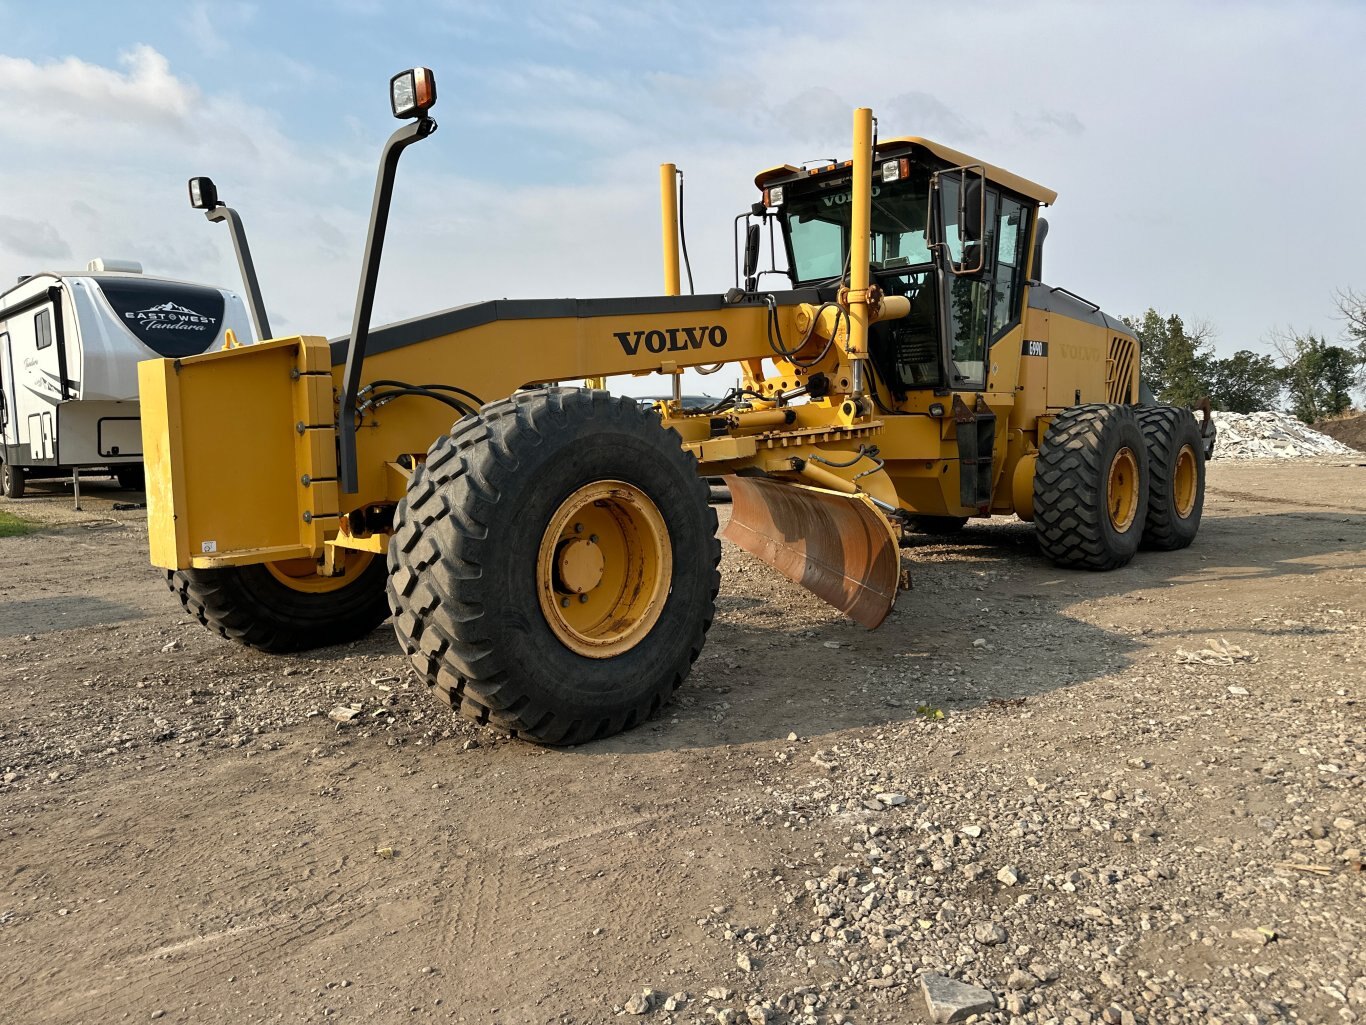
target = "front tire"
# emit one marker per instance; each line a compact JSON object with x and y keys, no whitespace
{"x":1091,"y":487}
{"x":1176,"y":490}
{"x":285,"y":607}
{"x":12,"y":480}
{"x":553,"y":568}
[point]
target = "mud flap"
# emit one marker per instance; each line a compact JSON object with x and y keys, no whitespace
{"x":839,"y":547}
{"x":1209,"y":430}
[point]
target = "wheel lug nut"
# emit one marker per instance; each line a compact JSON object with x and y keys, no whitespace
{"x":593,"y":538}
{"x":583,"y":598}
{"x":578,"y":528}
{"x":564,"y":603}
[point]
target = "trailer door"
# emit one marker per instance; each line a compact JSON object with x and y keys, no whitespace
{"x":9,"y":433}
{"x":45,"y":365}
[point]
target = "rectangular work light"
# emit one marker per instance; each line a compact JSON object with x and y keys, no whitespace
{"x":413,"y":92}
{"x":203,"y":194}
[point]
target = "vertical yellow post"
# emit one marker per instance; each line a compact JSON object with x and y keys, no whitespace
{"x":668,"y":225}
{"x":668,"y":222}
{"x":859,"y":244}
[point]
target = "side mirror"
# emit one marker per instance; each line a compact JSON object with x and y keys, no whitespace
{"x":971,"y":209}
{"x":751,"y":256}
{"x":961,"y":201}
{"x":1040,"y":233}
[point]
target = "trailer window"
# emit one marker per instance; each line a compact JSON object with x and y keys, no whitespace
{"x":42,"y":328}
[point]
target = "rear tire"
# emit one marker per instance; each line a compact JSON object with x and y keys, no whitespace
{"x":251,"y":605}
{"x":131,"y":478}
{"x":468,"y":585}
{"x":1091,"y":487}
{"x":12,"y":480}
{"x":1176,"y":475}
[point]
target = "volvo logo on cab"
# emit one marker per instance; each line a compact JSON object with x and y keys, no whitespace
{"x":671,"y":339}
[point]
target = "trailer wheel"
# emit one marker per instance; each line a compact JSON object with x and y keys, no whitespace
{"x":1176,"y":489}
{"x":12,"y":480}
{"x":286,"y":606}
{"x":1091,"y":487}
{"x":553,"y":568}
{"x":131,"y":478}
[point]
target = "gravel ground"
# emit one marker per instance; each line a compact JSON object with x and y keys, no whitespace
{"x":1129,"y":797}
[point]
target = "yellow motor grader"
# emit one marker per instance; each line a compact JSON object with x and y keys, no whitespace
{"x":548,"y":553}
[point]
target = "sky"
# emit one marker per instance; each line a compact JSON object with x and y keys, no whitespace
{"x":1209,"y":157}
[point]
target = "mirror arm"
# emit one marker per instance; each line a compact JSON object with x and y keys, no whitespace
{"x":410,"y":133}
{"x":256,"y":304}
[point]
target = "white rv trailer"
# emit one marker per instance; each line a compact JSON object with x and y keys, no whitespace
{"x":70,"y":343}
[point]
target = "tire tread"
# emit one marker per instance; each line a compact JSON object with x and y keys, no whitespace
{"x":445,"y":631}
{"x":1069,"y":514}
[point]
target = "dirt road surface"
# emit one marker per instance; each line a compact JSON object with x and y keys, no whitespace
{"x":1074,"y":815}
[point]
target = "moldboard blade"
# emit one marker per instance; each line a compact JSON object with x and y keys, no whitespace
{"x":839,"y":547}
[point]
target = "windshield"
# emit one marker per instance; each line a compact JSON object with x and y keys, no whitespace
{"x":818,"y":226}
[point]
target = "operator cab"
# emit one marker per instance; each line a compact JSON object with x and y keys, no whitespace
{"x":948,"y":232}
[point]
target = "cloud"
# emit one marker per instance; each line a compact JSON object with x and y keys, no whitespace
{"x":200,"y":28}
{"x":36,"y":240}
{"x":141,"y":114}
{"x":1044,"y":123}
{"x":115,"y":145}
{"x":204,"y":24}
{"x":77,"y":91}
{"x":930,"y":116}
{"x":558,"y":115}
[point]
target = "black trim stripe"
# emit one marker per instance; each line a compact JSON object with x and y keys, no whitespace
{"x":31,"y":303}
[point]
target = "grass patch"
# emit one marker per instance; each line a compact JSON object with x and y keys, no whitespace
{"x":15,"y":526}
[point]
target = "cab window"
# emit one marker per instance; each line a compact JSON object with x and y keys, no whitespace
{"x":818,"y":246}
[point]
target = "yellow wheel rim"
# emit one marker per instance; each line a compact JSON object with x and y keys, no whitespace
{"x":302,"y":574}
{"x":1122,"y":493}
{"x":1185,"y":481}
{"x":604,"y":568}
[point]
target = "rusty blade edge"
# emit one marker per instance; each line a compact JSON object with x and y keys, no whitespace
{"x":867,"y":598}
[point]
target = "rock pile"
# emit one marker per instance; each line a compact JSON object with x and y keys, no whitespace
{"x":1270,"y":435}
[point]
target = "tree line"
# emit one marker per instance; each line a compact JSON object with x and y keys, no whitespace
{"x":1314,"y":378}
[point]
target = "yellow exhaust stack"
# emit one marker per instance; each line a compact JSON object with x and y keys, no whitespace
{"x":860,"y":228}
{"x":832,"y":539}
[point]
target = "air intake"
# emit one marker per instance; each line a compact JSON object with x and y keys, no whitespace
{"x":102,"y":266}
{"x":1121,"y":381}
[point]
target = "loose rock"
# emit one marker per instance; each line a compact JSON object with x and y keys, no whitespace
{"x":949,"y":1000}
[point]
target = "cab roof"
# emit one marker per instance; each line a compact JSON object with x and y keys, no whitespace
{"x":911,"y":144}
